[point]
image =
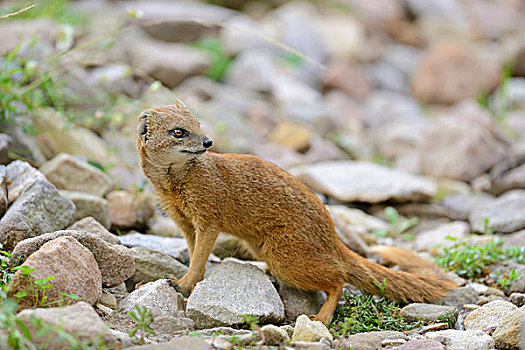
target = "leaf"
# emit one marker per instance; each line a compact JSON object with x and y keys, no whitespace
{"x":20,"y":294}
{"x":24,"y":329}
{"x":392,"y":215}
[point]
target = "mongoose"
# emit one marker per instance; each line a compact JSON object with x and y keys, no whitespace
{"x":279,"y":219}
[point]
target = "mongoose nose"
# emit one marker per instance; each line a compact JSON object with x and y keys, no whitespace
{"x":207,"y":143}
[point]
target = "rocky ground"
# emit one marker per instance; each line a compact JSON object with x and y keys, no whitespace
{"x":406,"y":117}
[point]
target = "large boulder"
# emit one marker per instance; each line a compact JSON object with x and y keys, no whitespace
{"x":234,"y":290}
{"x":88,"y":205}
{"x":74,"y":269}
{"x":159,"y":297}
{"x":507,"y":334}
{"x":115,"y":262}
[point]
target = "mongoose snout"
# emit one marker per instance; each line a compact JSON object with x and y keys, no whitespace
{"x":207,"y":142}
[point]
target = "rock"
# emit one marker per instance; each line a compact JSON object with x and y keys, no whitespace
{"x":450,"y":72}
{"x":459,"y":340}
{"x":438,"y":236}
{"x":230,"y":246}
{"x":231,"y":291}
{"x":38,"y":209}
{"x":69,"y":173}
{"x":511,"y":179}
{"x":384,"y":108}
{"x":182,"y":343}
{"x":504,"y":214}
{"x":108,"y":299}
{"x":159,"y":297}
{"x":78,"y":320}
{"x":21,"y":175}
{"x":298,"y":302}
{"x":162,"y":226}
{"x":360,"y":341}
{"x":58,"y":137}
{"x":18,"y":33}
{"x":462,"y":204}
{"x":74,"y":269}
{"x":151,"y":265}
{"x":344,"y":36}
{"x":3,"y":191}
{"x":115,"y":79}
{"x":159,"y":61}
{"x":224,"y":331}
{"x":176,"y":247}
{"x":504,"y":268}
{"x":308,"y":330}
{"x":5,"y":143}
{"x":459,"y":297}
{"x":115,"y":262}
{"x":91,"y":225}
{"x":359,"y":221}
{"x":130,"y":210}
{"x":489,"y":315}
{"x":181,"y":22}
{"x":418,"y":344}
{"x":507,"y":334}
{"x":274,"y":336}
{"x":459,"y":149}
{"x":88,"y":205}
{"x":308,"y":345}
{"x":349,"y":78}
{"x":429,"y":313}
{"x":517,"y":299}
{"x":168,"y":325}
{"x":349,"y":181}
{"x":252,"y":70}
{"x":291,"y":135}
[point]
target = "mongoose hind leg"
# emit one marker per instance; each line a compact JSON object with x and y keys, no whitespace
{"x":327,"y":310}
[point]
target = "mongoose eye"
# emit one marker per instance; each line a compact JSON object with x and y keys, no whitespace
{"x":178,"y":133}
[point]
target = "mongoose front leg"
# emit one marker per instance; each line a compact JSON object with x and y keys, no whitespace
{"x":204,"y":241}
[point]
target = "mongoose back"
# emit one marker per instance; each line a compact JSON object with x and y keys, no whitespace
{"x":279,"y":219}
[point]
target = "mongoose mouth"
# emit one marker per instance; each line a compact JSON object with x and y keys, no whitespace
{"x":194,"y":152}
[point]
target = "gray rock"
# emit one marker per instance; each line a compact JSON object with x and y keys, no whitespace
{"x":231,"y":291}
{"x":78,"y":320}
{"x":360,"y":341}
{"x":159,"y":297}
{"x":274,"y":336}
{"x":517,"y":299}
{"x":152,"y":265}
{"x":115,"y":262}
{"x":349,"y":181}
{"x":459,"y":297}
{"x":462,"y":204}
{"x":511,"y":179}
{"x":429,"y":313}
{"x":489,"y":315}
{"x":505,"y":214}
{"x":182,"y":343}
{"x":21,"y":175}
{"x":176,"y":247}
{"x":460,"y":340}
{"x":5,"y":143}
{"x":69,"y":173}
{"x":507,"y":334}
{"x":439,"y":236}
{"x":238,"y":36}
{"x":88,"y":205}
{"x":419,"y":344}
{"x":168,"y":325}
{"x":74,"y":269}
{"x":129,"y":210}
{"x":308,"y":345}
{"x":298,"y":302}
{"x":308,"y":330}
{"x":162,"y":226}
{"x":91,"y":225}
{"x":39,"y":209}
{"x":253,"y":70}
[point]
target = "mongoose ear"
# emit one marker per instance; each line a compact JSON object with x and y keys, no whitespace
{"x":143,"y":125}
{"x":181,"y":104}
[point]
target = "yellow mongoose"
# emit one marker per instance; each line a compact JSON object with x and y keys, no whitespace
{"x":280,"y":220}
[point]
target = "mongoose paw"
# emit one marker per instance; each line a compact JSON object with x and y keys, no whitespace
{"x":172,"y":281}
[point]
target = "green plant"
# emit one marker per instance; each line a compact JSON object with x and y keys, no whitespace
{"x":507,"y":279}
{"x":472,"y":261}
{"x":7,"y":268}
{"x":367,"y":313}
{"x":398,"y":225}
{"x":487,"y":229}
{"x":143,"y":319}
{"x":58,"y":10}
{"x":220,"y":59}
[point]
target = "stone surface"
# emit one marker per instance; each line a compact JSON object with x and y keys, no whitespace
{"x":115,"y":262}
{"x":459,"y":297}
{"x":159,"y":297}
{"x":5,"y":143}
{"x":449,"y":72}
{"x":231,"y":291}
{"x":69,"y":173}
{"x":360,"y":341}
{"x":364,"y":182}
{"x":151,"y":265}
{"x":176,"y":247}
{"x":504,"y":268}
{"x":462,"y":204}
{"x":3,"y":191}
{"x":517,"y":299}
{"x":274,"y":335}
{"x":419,"y":344}
{"x":182,"y":343}
{"x":162,"y":226}
{"x":74,"y":268}
{"x":253,"y":70}
{"x":168,"y":325}
{"x":130,"y":210}
{"x":504,"y":213}
{"x":21,"y":175}
{"x":297,"y":302}
{"x":78,"y":320}
{"x":489,"y":315}
{"x":91,"y":225}
{"x":308,"y":330}
{"x":349,"y":78}
{"x":38,"y":209}
{"x":429,"y":313}
{"x":438,"y":236}
{"x":507,"y":334}
{"x":88,"y":205}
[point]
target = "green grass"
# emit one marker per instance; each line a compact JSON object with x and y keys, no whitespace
{"x":220,"y":59}
{"x":58,"y":10}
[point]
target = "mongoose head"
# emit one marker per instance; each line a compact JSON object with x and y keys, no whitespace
{"x":170,"y":135}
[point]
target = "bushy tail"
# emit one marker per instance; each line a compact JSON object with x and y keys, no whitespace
{"x":424,"y":282}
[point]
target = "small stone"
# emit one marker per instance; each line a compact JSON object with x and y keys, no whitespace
{"x":429,"y":313}
{"x":159,"y":297}
{"x":5,"y":143}
{"x":308,"y":330}
{"x":91,"y":225}
{"x":489,"y":315}
{"x":21,"y":175}
{"x":162,"y":226}
{"x":351,"y":79}
{"x":253,"y":70}
{"x":69,"y":173}
{"x":419,"y":344}
{"x":129,"y":210}
{"x":231,"y":291}
{"x":291,"y":135}
{"x":274,"y":336}
{"x":3,"y":191}
{"x":74,"y":269}
{"x":88,"y":205}
{"x":460,"y":340}
{"x":108,"y":299}
{"x":504,"y":214}
{"x":182,"y":343}
{"x":151,"y":265}
{"x":115,"y":262}
{"x":78,"y":320}
{"x":517,"y":299}
{"x":298,"y":302}
{"x":168,"y":325}
{"x":175,"y":247}
{"x":459,"y":297}
{"x":439,"y":235}
{"x":360,"y":341}
{"x":308,"y":345}
{"x":507,"y":334}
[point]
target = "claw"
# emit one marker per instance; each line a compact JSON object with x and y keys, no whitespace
{"x":172,"y":281}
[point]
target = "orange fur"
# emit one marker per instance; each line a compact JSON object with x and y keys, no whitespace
{"x":280,"y":220}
